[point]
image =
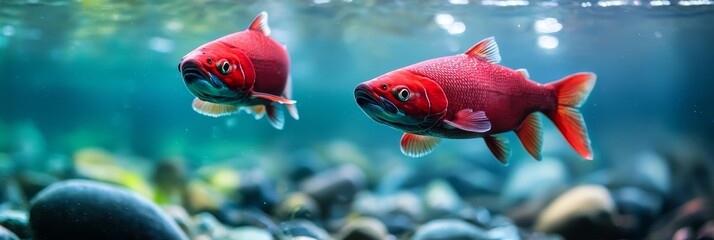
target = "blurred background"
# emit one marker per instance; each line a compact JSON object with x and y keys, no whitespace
{"x":91,"y":87}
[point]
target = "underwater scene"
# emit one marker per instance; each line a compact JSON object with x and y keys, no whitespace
{"x":356,"y":119}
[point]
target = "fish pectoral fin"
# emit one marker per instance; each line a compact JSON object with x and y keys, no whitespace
{"x":524,"y":72}
{"x":531,"y":135}
{"x":275,"y":114}
{"x":213,"y":109}
{"x":414,"y":145}
{"x":486,"y":49}
{"x":260,"y":23}
{"x":499,"y":147}
{"x":273,"y":98}
{"x":471,"y":121}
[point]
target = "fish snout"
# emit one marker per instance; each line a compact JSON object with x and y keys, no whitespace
{"x":367,"y":99}
{"x":191,"y":71}
{"x":364,"y":96}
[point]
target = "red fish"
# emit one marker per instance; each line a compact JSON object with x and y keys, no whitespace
{"x":469,"y":96}
{"x":246,"y":70}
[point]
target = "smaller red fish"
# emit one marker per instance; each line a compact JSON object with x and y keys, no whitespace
{"x":470,"y":96}
{"x":246,"y":70}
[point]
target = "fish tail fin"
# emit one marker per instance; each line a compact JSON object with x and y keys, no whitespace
{"x":571,"y":92}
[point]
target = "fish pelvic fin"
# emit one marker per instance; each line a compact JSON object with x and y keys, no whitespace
{"x":571,"y":92}
{"x":531,"y":135}
{"x":415,"y":146}
{"x":213,"y":109}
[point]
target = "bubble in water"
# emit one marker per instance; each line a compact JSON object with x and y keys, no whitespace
{"x":174,"y":25}
{"x":8,"y":30}
{"x":548,"y":25}
{"x":547,"y":42}
{"x":457,"y":28}
{"x":161,"y":45}
{"x":459,"y":2}
{"x":444,"y":20}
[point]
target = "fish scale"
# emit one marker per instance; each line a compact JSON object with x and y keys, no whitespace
{"x":472,"y":83}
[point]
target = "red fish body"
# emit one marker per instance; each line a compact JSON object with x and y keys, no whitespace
{"x":246,"y":70}
{"x":469,"y":96}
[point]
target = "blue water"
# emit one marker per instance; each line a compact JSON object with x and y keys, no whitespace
{"x":102,"y":74}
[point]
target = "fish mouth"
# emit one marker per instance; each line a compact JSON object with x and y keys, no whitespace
{"x":192,"y":73}
{"x":376,"y":107}
{"x":205,"y":85}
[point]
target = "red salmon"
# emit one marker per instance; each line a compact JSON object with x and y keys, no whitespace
{"x":469,"y":96}
{"x":246,"y":70}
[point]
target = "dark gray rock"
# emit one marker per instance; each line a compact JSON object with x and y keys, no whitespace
{"x":476,"y":215}
{"x":583,"y":212}
{"x":335,"y":185}
{"x":298,"y":205}
{"x":80,"y":209}
{"x":304,"y":164}
{"x":474,"y":181}
{"x":441,"y":200}
{"x":637,"y":210}
{"x":301,"y":227}
{"x":363,"y":229}
{"x":258,"y":191}
{"x":706,"y":232}
{"x":16,"y":222}
{"x":532,"y":179}
{"x":501,"y":227}
{"x":171,"y":181}
{"x":399,"y":223}
{"x":251,"y":233}
{"x":236,"y":217}
{"x":7,"y":235}
{"x":689,"y":216}
{"x":449,"y":229}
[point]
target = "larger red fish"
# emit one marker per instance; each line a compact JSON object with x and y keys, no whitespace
{"x":468,"y":96}
{"x":246,"y":70}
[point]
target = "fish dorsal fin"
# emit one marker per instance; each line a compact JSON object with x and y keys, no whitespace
{"x":260,"y":23}
{"x":486,"y":49}
{"x":417,"y":145}
{"x":531,"y":135}
{"x":213,"y":109}
{"x":471,"y":121}
{"x":499,"y":147}
{"x":524,"y":72}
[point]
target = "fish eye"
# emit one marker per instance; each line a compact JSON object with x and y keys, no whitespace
{"x":403,"y":94}
{"x":384,"y":86}
{"x":224,"y":67}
